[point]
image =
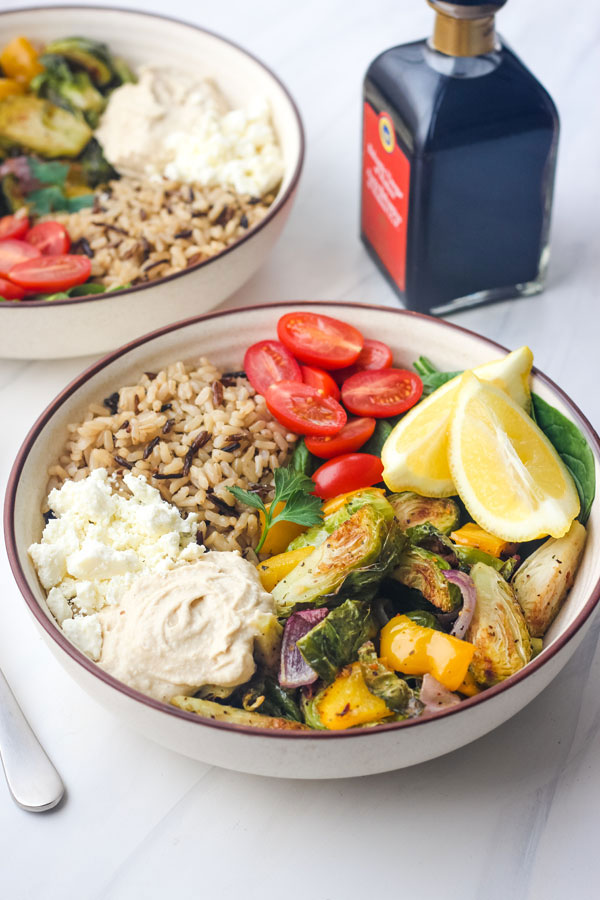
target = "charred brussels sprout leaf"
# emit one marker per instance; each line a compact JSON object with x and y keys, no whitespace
{"x":350,"y":563}
{"x":411,"y":509}
{"x":383,"y":682}
{"x":210,"y":710}
{"x":429,"y":538}
{"x":468,"y":556}
{"x":369,"y":497}
{"x":543,"y":580}
{"x":422,"y":570}
{"x":497,"y":629}
{"x":424,"y":618}
{"x":71,"y":90}
{"x":96,"y":169}
{"x":334,"y":642}
{"x":87,"y":54}
{"x":265,"y":696}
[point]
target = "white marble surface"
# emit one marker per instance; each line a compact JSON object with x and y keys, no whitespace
{"x":513,"y":815}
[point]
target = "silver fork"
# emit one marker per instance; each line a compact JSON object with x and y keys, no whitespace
{"x":32,"y":779}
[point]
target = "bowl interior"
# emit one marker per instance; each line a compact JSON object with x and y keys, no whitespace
{"x":143,"y":39}
{"x":223,"y":337}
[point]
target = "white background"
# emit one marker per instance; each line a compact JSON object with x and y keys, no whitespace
{"x":514,"y":815}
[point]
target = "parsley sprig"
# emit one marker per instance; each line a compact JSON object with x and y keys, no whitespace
{"x":294,"y":489}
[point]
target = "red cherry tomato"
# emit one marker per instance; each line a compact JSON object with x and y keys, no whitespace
{"x":51,"y":273}
{"x":321,"y":380}
{"x":347,"y":473}
{"x":13,"y":227}
{"x":268,"y":362}
{"x":353,"y":435}
{"x":302,"y":409}
{"x":320,"y":340}
{"x":381,"y":393}
{"x":10,"y":291}
{"x":374,"y":355}
{"x":13,"y":252}
{"x":50,"y":238}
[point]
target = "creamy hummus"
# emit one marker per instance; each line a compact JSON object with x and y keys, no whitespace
{"x":196,"y":625}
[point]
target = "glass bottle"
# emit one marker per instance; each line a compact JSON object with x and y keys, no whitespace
{"x":459,"y":154}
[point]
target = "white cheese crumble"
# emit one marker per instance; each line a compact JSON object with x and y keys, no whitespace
{"x":100,"y":542}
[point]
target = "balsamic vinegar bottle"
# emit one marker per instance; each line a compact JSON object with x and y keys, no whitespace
{"x":459,"y":153}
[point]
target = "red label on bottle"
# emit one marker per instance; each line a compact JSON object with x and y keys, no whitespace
{"x":385,"y":184}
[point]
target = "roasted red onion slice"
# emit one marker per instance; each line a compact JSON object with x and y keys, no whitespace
{"x":434,"y":696}
{"x":469,"y":594}
{"x":295,"y":671}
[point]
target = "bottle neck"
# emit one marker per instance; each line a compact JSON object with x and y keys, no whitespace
{"x":463,"y":37}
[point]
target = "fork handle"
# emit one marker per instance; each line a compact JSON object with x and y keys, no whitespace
{"x":32,"y":779}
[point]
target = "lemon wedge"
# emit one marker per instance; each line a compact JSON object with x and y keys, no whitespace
{"x":506,"y":471}
{"x":415,"y":455}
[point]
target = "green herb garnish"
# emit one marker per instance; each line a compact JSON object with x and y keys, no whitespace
{"x":292,"y":488}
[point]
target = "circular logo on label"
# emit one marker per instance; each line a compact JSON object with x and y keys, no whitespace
{"x":386,"y":133}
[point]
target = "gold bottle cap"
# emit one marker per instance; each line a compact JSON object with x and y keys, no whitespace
{"x":464,"y":29}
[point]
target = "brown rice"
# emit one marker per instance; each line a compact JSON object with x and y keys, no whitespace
{"x":191,"y":431}
{"x":138,"y":231}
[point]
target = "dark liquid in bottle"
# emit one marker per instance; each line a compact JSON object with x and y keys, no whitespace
{"x":482,"y":154}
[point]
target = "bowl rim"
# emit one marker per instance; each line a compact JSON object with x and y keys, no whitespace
{"x":78,"y":656}
{"x":278,"y":203}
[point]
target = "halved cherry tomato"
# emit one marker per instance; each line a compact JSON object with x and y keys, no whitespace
{"x":50,"y":273}
{"x":50,"y":238}
{"x":381,"y":393}
{"x":13,"y":227}
{"x":10,"y":291}
{"x":320,"y":340}
{"x":13,"y":252}
{"x":268,"y":362}
{"x":302,"y":409}
{"x":374,"y":355}
{"x":321,"y":380}
{"x":347,"y":473}
{"x":353,"y":435}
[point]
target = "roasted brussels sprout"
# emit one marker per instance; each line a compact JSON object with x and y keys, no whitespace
{"x":350,"y":562}
{"x":382,"y":681}
{"x":368,"y":497}
{"x":497,"y":629}
{"x":543,"y":580}
{"x":267,"y":643}
{"x":422,"y":570}
{"x":95,"y":168}
{"x":90,"y":55}
{"x":266,"y":696}
{"x":411,"y":509}
{"x":334,"y":642}
{"x":71,"y":90}
{"x":211,"y":710}
{"x":38,"y":125}
{"x":428,"y":537}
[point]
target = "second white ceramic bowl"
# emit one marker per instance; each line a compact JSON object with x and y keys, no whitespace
{"x":96,"y":324}
{"x":224,"y":337}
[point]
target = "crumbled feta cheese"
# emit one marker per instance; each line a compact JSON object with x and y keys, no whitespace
{"x":59,"y":605}
{"x":86,"y":633}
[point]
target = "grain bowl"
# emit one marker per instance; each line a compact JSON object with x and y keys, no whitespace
{"x":178,"y":237}
{"x":301,"y":754}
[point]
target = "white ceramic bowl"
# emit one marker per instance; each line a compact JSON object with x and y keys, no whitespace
{"x":96,"y":324}
{"x":224,"y":337}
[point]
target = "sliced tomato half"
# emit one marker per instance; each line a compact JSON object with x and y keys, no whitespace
{"x":269,"y":362}
{"x":353,"y":435}
{"x":320,"y":340}
{"x":47,"y":274}
{"x":302,"y":409}
{"x":321,"y":380}
{"x":50,"y":238}
{"x":382,"y":393}
{"x":13,"y":227}
{"x":349,"y":472}
{"x":13,"y":252}
{"x":374,"y":355}
{"x":10,"y":291}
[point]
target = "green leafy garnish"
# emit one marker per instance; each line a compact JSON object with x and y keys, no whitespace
{"x":48,"y":172}
{"x":431,"y":377}
{"x":292,"y":488}
{"x":52,"y":197}
{"x":572,"y":448}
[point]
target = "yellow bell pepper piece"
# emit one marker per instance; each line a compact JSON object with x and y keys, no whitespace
{"x":8,"y":87}
{"x":281,"y":534}
{"x":19,"y":60}
{"x":416,"y":650}
{"x":336,"y":503}
{"x":348,"y":701}
{"x":471,"y":535}
{"x":469,"y":687}
{"x":272,"y":570}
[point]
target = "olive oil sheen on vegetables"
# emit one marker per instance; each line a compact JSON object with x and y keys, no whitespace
{"x":459,"y":154}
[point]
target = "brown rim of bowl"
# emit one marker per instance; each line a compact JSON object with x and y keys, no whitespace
{"x":57,"y":635}
{"x":278,"y":203}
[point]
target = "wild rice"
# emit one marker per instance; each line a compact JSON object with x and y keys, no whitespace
{"x":191,"y":432}
{"x":138,"y":231}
